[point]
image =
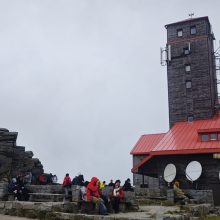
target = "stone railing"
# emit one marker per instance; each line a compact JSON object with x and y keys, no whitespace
{"x":202,"y":196}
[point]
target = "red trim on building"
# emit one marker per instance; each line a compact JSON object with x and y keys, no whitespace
{"x":213,"y":130}
{"x":141,"y":163}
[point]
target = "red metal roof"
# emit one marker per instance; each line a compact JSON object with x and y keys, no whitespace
{"x":146,"y":143}
{"x":182,"y":138}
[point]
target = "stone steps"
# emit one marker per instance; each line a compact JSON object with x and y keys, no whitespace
{"x":46,"y":197}
{"x":56,"y":189}
{"x":60,"y":210}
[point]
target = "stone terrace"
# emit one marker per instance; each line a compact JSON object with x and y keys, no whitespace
{"x":47,"y":203}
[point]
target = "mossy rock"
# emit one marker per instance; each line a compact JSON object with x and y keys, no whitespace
{"x":51,"y":216}
{"x":31,"y":214}
{"x":57,"y":209}
{"x":12,"y":212}
{"x":21,"y":212}
{"x":41,"y":214}
{"x":212,"y":218}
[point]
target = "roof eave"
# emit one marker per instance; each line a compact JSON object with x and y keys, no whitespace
{"x":187,"y":20}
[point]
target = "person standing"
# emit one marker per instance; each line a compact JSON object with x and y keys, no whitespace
{"x":67,"y":184}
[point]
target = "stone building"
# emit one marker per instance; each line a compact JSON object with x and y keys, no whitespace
{"x":191,"y":74}
{"x":14,"y":159}
{"x":194,"y":119}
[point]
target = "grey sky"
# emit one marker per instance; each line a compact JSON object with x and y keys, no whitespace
{"x":81,"y":80}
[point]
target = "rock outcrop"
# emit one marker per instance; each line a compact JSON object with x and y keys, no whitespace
{"x":14,"y":160}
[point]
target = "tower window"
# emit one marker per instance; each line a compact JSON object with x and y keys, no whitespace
{"x":190,"y":118}
{"x":187,"y":68}
{"x":179,"y":32}
{"x":188,"y":84}
{"x":193,"y":30}
{"x":186,"y":51}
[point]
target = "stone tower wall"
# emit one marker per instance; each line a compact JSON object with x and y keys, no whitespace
{"x":199,"y":100}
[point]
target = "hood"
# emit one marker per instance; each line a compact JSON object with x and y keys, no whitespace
{"x":94,"y":180}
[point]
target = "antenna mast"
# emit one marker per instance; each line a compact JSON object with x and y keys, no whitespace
{"x":191,"y":15}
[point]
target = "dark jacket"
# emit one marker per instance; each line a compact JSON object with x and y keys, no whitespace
{"x":127,"y":186}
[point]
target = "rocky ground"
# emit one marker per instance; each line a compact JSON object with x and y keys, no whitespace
{"x":145,"y":213}
{"x":6,"y":217}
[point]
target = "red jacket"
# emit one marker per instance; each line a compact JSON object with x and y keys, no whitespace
{"x":92,"y":189}
{"x":67,"y":181}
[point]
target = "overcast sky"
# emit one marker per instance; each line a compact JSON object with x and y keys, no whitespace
{"x":81,"y":79}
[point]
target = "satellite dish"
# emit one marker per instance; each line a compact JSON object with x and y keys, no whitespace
{"x":169,"y":172}
{"x":193,"y":170}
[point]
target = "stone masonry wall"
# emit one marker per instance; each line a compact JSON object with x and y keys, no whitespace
{"x":199,"y":100}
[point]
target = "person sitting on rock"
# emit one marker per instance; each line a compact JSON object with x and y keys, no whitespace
{"x":54,"y":179}
{"x":23,"y":193}
{"x":111,"y":183}
{"x":42,"y":180}
{"x":117,"y":196}
{"x":80,"y":180}
{"x":127,"y":186}
{"x":178,"y":193}
{"x":102,"y":185}
{"x":75,"y":181}
{"x":18,"y":190}
{"x":13,"y":188}
{"x":28,"y":177}
{"x":83,"y":192}
{"x":92,"y":194}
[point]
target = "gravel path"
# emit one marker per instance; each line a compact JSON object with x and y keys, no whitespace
{"x":7,"y":217}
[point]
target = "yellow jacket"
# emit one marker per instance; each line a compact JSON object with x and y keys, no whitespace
{"x":102,"y":185}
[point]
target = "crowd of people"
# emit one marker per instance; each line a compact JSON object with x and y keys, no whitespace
{"x":93,"y":191}
{"x":89,"y":190}
{"x":45,"y":179}
{"x":17,"y":186}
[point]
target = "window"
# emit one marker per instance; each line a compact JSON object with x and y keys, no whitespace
{"x":190,"y":118}
{"x":213,"y":136}
{"x":205,"y":137}
{"x":186,"y":51}
{"x":193,"y":30}
{"x":189,"y":84}
{"x":187,"y":68}
{"x":218,"y":136}
{"x":179,"y":32}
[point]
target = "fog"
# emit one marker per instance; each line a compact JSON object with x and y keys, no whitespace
{"x":81,"y":80}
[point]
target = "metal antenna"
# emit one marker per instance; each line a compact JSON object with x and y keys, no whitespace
{"x":217,"y":50}
{"x":191,"y":15}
